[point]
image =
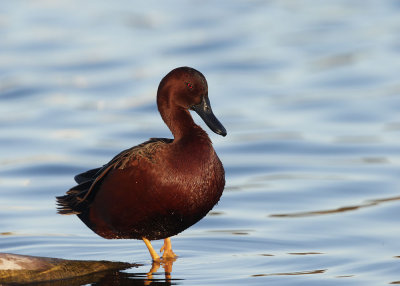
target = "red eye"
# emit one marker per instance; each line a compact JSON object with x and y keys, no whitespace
{"x":189,"y":85}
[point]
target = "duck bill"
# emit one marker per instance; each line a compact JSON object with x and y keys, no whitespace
{"x":203,"y":109}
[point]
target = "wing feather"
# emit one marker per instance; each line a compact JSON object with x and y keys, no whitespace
{"x":79,"y":198}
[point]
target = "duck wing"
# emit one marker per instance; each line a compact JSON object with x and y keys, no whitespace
{"x":87,"y":176}
{"x":79,"y":198}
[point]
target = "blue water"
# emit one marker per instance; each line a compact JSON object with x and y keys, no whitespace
{"x":308,"y":91}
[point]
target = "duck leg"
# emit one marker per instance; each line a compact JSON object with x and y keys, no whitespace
{"x":167,"y":248}
{"x":153,"y":253}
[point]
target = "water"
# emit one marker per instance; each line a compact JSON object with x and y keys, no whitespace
{"x":308,"y":92}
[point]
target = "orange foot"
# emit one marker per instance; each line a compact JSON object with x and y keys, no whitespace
{"x":167,"y":249}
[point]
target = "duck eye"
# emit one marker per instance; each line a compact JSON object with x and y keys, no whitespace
{"x":189,"y":85}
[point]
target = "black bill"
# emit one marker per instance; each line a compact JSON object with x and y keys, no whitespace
{"x":203,"y":109}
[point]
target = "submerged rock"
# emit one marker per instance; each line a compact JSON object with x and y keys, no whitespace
{"x":21,"y":269}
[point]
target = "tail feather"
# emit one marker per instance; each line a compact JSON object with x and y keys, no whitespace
{"x":73,"y":202}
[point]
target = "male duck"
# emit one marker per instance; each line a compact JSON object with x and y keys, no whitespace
{"x":163,"y":186}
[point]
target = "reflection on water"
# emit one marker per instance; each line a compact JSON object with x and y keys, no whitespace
{"x":153,"y":277}
{"x":320,"y":271}
{"x":369,"y":203}
{"x":305,"y":253}
{"x":166,"y":264}
{"x":309,"y":94}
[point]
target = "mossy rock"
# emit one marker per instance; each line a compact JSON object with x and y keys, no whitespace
{"x":21,"y":269}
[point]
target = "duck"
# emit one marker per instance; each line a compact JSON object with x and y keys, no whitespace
{"x":159,"y":188}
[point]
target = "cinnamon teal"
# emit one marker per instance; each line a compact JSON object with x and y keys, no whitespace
{"x":161,"y":187}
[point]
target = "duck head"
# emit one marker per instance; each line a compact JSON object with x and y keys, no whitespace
{"x":186,"y":89}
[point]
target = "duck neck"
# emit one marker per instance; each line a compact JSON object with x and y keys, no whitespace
{"x":181,"y":124}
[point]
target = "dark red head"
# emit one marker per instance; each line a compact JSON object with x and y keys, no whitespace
{"x":186,"y":88}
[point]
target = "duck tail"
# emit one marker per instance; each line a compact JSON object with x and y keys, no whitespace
{"x":66,"y":205}
{"x":74,"y":201}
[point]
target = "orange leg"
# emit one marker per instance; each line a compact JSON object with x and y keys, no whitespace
{"x":167,"y":248}
{"x":153,"y":253}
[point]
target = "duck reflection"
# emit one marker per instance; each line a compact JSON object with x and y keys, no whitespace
{"x":152,"y":277}
{"x":166,"y":264}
